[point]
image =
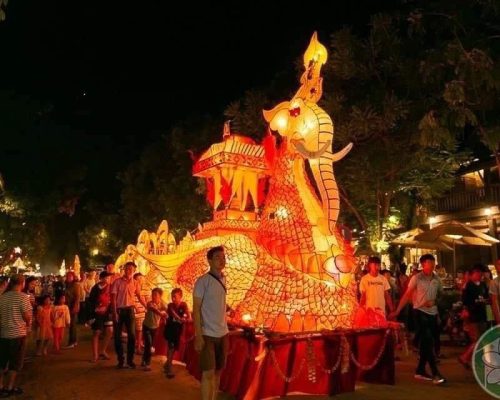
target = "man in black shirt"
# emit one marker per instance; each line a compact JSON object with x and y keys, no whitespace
{"x":475,"y":296}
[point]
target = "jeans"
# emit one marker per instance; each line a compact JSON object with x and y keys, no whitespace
{"x":427,"y":327}
{"x":148,"y":335}
{"x":126,"y":317}
{"x":72,"y":328}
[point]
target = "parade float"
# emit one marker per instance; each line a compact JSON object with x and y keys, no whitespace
{"x":289,"y":271}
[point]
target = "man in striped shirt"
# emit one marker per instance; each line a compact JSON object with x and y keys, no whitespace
{"x":124,"y":291}
{"x":16,"y":314}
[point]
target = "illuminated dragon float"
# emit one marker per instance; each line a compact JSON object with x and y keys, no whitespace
{"x":275,"y":209}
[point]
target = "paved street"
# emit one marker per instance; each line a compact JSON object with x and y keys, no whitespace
{"x":71,"y":376}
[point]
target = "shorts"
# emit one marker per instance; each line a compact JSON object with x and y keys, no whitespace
{"x":101,"y":322}
{"x":214,"y":354}
{"x":172,"y":334}
{"x":12,"y":353}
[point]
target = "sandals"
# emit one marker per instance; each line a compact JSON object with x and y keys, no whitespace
{"x":4,"y":393}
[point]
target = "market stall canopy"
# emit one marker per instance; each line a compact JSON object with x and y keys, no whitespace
{"x":456,"y":233}
{"x":408,"y":239}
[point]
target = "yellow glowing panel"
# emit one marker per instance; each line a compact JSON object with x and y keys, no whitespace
{"x":288,"y":267}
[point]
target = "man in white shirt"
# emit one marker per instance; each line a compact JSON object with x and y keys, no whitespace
{"x":495,"y":293}
{"x":375,"y":288}
{"x":209,"y":314}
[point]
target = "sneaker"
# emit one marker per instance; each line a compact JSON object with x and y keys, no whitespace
{"x":120,"y":365}
{"x":423,"y":377}
{"x":70,"y":346}
{"x":131,"y":365}
{"x":438,"y":380}
{"x":146,"y":368}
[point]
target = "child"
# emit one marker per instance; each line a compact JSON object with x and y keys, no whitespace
{"x":155,"y":311}
{"x":178,"y":313}
{"x":99,"y":302}
{"x":44,"y":333}
{"x":60,"y":319}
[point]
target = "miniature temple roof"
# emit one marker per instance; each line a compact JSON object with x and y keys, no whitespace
{"x":234,"y":150}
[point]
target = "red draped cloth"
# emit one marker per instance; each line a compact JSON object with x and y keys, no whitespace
{"x":258,"y":368}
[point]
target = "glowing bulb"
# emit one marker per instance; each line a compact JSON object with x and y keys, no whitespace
{"x":95,"y":252}
{"x":281,"y":212}
{"x":432,"y":220}
{"x":487,"y":211}
{"x":281,"y":122}
{"x":17,"y":250}
{"x":246,"y":318}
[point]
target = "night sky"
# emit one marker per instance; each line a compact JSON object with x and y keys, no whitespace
{"x":114,"y":69}
{"x":106,"y":77}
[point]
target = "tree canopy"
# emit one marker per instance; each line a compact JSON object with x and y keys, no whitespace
{"x":417,"y":92}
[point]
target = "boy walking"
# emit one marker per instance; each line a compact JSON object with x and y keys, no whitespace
{"x":155,"y":312}
{"x":178,"y":313}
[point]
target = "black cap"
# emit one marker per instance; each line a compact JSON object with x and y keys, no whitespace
{"x":104,"y":274}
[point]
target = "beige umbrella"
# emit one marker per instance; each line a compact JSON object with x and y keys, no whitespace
{"x":408,"y":239}
{"x":454,"y":233}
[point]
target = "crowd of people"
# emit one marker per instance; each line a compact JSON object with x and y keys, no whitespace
{"x":417,"y":298}
{"x":117,"y":306}
{"x":48,"y":309}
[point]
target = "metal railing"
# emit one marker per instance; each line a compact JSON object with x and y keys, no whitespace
{"x":463,"y":200}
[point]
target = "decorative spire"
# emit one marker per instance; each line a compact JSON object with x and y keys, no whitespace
{"x":315,"y":57}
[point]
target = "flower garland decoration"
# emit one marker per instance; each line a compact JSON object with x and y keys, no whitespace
{"x":377,"y":358}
